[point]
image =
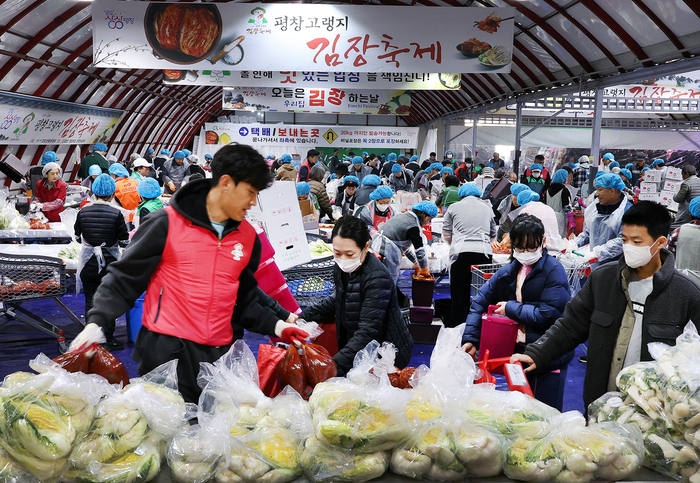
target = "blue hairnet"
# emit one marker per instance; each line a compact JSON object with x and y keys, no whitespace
{"x":574,"y":165}
{"x":527,"y":196}
{"x":333,"y":176}
{"x":560,"y":176}
{"x":610,"y":180}
{"x":413,"y":158}
{"x":371,"y":180}
{"x":303,"y":188}
{"x":179,"y":155}
{"x":599,"y":174}
{"x":646,"y":169}
{"x":104,"y":185}
{"x":286,"y":158}
{"x":629,"y":166}
{"x":100,"y":147}
{"x":165,"y":151}
{"x":626,"y":173}
{"x":150,"y":151}
{"x":449,"y":151}
{"x":357,"y":160}
{"x":608,"y":156}
{"x":517,"y":188}
{"x":536,"y":166}
{"x":427,"y":207}
{"x":365,"y":153}
{"x":48,"y":157}
{"x":351,"y":178}
{"x":402,"y":156}
{"x":348,"y":159}
{"x":488,"y":165}
{"x":383,"y":158}
{"x":396,"y":169}
{"x":188,"y":152}
{"x":95,"y":170}
{"x":435,"y":166}
{"x":118,"y":170}
{"x":149,"y":188}
{"x":469,"y":190}
{"x":208,"y":156}
{"x":657,"y":162}
{"x":694,"y":207}
{"x":392,"y":157}
{"x":447,"y":169}
{"x":614,"y":164}
{"x":381,"y":193}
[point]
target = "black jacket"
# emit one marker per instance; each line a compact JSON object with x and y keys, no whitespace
{"x":362,"y":195}
{"x":595,"y":314}
{"x":365,"y":309}
{"x":100,"y":223}
{"x":128,"y":278}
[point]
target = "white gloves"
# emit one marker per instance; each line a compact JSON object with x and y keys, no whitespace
{"x":92,"y":333}
{"x":35,"y":206}
{"x":570,"y":246}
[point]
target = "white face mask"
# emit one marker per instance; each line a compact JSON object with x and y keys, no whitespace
{"x":528,"y":258}
{"x":536,"y":174}
{"x":382,"y":206}
{"x":349,"y":265}
{"x":635,"y":256}
{"x":449,"y":155}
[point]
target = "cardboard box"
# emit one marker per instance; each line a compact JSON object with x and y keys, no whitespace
{"x":666,"y":199}
{"x":280,"y":194}
{"x":649,"y":197}
{"x":674,"y":174}
{"x":671,"y":185}
{"x":288,"y":239}
{"x":653,"y":176}
{"x":646,"y":187}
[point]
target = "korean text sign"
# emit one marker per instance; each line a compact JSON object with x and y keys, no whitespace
{"x":285,"y":37}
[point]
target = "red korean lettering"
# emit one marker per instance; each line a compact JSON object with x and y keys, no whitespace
{"x":322,"y":44}
{"x":635,"y":91}
{"x":391,"y":56}
{"x":282,"y":132}
{"x":335,"y":96}
{"x":304,"y":133}
{"x":315,"y":133}
{"x":435,"y":51}
{"x":359,"y":59}
{"x":288,"y":77}
{"x":316,"y":98}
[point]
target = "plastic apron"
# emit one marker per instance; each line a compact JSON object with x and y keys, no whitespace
{"x":603,"y":228}
{"x":687,"y":248}
{"x":391,"y":251}
{"x":556,"y":204}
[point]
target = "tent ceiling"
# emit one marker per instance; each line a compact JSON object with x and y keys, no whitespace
{"x":46,"y":50}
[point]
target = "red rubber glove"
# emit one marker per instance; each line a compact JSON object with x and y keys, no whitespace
{"x":290,"y":333}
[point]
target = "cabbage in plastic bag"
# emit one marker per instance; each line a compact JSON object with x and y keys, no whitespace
{"x":324,"y":463}
{"x":196,"y":453}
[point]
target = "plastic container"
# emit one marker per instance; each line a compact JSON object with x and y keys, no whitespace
{"x":269,"y":276}
{"x":422,"y":292}
{"x":267,"y":250}
{"x":133,"y":319}
{"x":498,"y":335}
{"x":422,"y":315}
{"x":578,"y":222}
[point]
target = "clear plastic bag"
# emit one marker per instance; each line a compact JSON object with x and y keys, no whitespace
{"x":324,"y":463}
{"x":641,"y":383}
{"x":128,"y":438}
{"x":196,"y":453}
{"x":43,"y":416}
{"x":574,"y":453}
{"x":363,"y":413}
{"x":612,"y":406}
{"x":11,"y":472}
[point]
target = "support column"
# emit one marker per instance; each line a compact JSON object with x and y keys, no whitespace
{"x":447,"y":135}
{"x":475,"y":121}
{"x":595,"y":140}
{"x":518,"y":128}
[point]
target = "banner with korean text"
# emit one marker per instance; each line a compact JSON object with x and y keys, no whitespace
{"x":330,"y":100}
{"x":286,"y":37}
{"x":32,"y":120}
{"x":356,"y":80}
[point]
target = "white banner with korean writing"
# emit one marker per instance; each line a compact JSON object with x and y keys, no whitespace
{"x":300,"y":138}
{"x":651,"y":92}
{"x":286,"y":37}
{"x":330,"y":100}
{"x":356,"y":80}
{"x":31,"y":120}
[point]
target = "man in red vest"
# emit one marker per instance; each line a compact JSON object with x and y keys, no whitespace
{"x":305,"y":168}
{"x":195,"y":260}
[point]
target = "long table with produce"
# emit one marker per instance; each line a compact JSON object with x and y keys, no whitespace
{"x":76,"y":426}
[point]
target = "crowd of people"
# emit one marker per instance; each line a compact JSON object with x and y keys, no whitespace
{"x":482,"y":207}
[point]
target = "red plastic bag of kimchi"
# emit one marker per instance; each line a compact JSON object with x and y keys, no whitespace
{"x":318,"y":364}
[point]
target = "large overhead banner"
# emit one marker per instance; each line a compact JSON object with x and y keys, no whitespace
{"x":310,"y":136}
{"x":356,"y":80}
{"x":32,"y":120}
{"x":286,"y":37}
{"x":329,"y":100}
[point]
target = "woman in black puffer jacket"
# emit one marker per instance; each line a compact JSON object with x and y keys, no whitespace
{"x":364,"y":303}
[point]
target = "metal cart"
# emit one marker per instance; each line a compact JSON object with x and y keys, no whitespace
{"x":311,"y":282}
{"x":26,"y":278}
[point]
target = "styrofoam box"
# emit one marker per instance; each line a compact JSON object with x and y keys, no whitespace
{"x":666,"y":197}
{"x":673,"y":186}
{"x":653,"y":176}
{"x":649,"y":197}
{"x":289,"y":242}
{"x":646,"y":187}
{"x":674,"y":174}
{"x":281,"y":193}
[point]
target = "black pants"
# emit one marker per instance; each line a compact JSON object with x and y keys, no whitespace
{"x":153,"y":349}
{"x":91,"y":279}
{"x":460,"y":284}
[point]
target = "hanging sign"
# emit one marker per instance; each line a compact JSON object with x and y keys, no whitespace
{"x":309,"y":136}
{"x":650,"y":92}
{"x":31,"y":120}
{"x":356,"y":80}
{"x":283,"y":37}
{"x":329,"y":100}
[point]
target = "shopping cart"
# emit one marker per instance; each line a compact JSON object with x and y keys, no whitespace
{"x":481,"y":274}
{"x":25,"y":278}
{"x":311,"y":282}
